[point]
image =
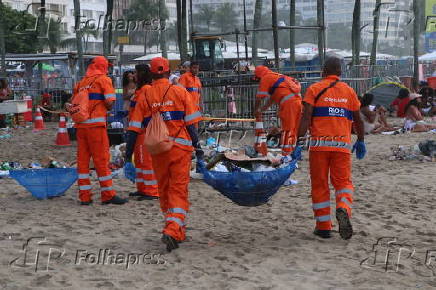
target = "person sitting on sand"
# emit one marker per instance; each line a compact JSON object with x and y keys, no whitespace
{"x":374,"y":120}
{"x":400,"y":103}
{"x":414,"y":120}
{"x":428,"y":106}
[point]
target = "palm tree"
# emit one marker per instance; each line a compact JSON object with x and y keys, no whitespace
{"x":85,"y":33}
{"x":226,"y":17}
{"x":205,"y":15}
{"x":292,"y":22}
{"x":355,"y":34}
{"x":416,"y":33}
{"x":2,"y":45}
{"x":375,"y":32}
{"x":41,"y":26}
{"x":78,"y":37}
{"x":163,"y":15}
{"x":256,"y":24}
{"x":184,"y":33}
{"x":107,"y":33}
{"x":147,"y":9}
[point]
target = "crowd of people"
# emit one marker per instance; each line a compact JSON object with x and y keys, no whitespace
{"x":411,"y":107}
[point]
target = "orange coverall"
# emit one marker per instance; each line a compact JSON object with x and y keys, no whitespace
{"x":171,"y":168}
{"x":285,"y":92}
{"x":330,"y":147}
{"x":92,"y":139}
{"x":193,"y":86}
{"x":146,"y":182}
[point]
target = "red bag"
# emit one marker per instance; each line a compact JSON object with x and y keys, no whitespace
{"x":79,"y":107}
{"x":157,"y":139}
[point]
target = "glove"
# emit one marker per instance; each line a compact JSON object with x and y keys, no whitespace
{"x":296,"y":154}
{"x":360,"y":149}
{"x":201,"y":166}
{"x":130,"y":171}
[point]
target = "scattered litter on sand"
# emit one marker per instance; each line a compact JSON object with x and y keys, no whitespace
{"x":424,"y":151}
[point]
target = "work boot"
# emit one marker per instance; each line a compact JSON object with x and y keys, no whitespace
{"x":116,"y":200}
{"x":345,"y":228}
{"x":171,"y":243}
{"x":86,"y":202}
{"x":146,"y":197}
{"x":325,"y":234}
{"x":136,"y":193}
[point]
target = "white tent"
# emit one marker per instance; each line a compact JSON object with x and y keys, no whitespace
{"x":428,"y":57}
{"x":148,"y":57}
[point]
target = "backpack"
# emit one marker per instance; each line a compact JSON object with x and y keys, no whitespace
{"x":79,"y":107}
{"x":157,"y":139}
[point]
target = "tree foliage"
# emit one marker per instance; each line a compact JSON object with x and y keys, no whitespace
{"x":226,"y":18}
{"x":20,"y":33}
{"x":146,"y":10}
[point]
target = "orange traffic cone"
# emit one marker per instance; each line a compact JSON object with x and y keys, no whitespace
{"x":38,"y":122}
{"x":62,"y":138}
{"x":260,"y":135}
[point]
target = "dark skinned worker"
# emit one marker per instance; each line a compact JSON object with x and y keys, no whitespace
{"x":330,"y":108}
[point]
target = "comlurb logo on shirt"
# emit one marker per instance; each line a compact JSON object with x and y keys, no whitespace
{"x":334,"y":100}
{"x":167,"y":103}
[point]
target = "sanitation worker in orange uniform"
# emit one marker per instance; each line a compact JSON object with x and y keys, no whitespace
{"x":192,"y":83}
{"x":172,"y":168}
{"x":285,"y":92}
{"x":330,"y":108}
{"x":145,"y":180}
{"x":92,"y":138}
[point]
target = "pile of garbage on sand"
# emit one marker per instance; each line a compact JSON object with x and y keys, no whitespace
{"x":424,"y":151}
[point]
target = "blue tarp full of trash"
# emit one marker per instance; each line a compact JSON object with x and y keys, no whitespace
{"x":248,"y":188}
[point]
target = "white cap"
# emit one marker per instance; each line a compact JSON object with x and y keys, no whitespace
{"x":187,"y":63}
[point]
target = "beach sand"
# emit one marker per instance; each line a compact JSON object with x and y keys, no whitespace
{"x":228,"y":246}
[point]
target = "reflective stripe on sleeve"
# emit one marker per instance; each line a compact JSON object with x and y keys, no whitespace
{"x":192,"y":116}
{"x":135,"y":124}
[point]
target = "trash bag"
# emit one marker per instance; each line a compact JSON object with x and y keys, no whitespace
{"x":248,"y":188}
{"x":428,"y":148}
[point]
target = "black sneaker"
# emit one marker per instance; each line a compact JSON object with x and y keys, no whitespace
{"x":86,"y":202}
{"x":146,"y":197}
{"x":345,"y":228}
{"x":325,"y":234}
{"x":136,"y":193}
{"x":116,"y":200}
{"x":171,"y":243}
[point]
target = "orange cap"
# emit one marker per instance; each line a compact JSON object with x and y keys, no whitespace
{"x":159,"y":65}
{"x":260,"y":71}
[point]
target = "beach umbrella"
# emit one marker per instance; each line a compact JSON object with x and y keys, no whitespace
{"x":47,"y":67}
{"x":384,"y":93}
